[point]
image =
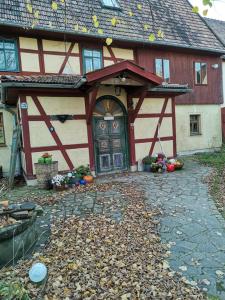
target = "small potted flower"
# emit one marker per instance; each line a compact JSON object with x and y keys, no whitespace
{"x":147,"y":162}
{"x":59,"y":182}
{"x":47,"y":158}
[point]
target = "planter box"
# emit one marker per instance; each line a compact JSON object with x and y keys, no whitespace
{"x":44,"y":172}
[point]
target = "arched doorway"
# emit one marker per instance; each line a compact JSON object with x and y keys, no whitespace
{"x":110,"y":135}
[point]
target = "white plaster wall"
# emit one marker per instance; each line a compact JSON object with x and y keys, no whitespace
{"x":211,"y":135}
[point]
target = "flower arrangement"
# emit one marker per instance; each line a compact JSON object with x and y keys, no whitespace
{"x":58,"y":180}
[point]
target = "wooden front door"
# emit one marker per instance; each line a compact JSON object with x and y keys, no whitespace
{"x":110,"y":137}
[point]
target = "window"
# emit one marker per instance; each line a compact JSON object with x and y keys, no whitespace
{"x":8,"y":56}
{"x":162,"y":68}
{"x":92,"y":60}
{"x":200,"y":73}
{"x":110,"y":3}
{"x":2,"y":134}
{"x":195,"y":126}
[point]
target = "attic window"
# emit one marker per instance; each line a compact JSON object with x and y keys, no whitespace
{"x":110,"y":4}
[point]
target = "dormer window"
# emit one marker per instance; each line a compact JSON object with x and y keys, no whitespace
{"x":110,"y":4}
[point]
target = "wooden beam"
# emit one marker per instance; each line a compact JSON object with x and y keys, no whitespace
{"x":131,"y":136}
{"x":26,"y":138}
{"x":158,"y":124}
{"x":66,"y":58}
{"x":53,"y":133}
{"x":174,"y":126}
{"x":113,"y":57}
{"x":91,"y":104}
{"x":90,"y":138}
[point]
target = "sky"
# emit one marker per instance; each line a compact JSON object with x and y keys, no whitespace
{"x":216,"y":12}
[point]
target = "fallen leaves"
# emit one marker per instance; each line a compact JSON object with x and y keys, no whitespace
{"x":98,"y":258}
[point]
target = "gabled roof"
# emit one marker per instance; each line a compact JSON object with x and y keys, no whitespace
{"x":181,"y":27}
{"x":124,"y":66}
{"x":218,"y":28}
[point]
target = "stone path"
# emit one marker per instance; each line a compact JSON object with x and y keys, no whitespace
{"x":191,"y":224}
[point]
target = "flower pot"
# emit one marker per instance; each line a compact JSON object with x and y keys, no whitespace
{"x":88,"y":178}
{"x":59,"y":187}
{"x":147,"y":167}
{"x":83,"y":182}
{"x":170,"y":168}
{"x":48,"y":160}
{"x":41,"y":160}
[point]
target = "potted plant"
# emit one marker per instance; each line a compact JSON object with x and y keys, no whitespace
{"x":47,"y":158}
{"x":59,"y":182}
{"x":84,"y":173}
{"x":154,"y":167}
{"x":147,"y":162}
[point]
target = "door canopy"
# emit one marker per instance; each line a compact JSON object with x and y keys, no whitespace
{"x":125,"y":73}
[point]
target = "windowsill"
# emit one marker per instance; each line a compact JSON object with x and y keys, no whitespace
{"x":3,"y":145}
{"x":199,"y":84}
{"x":195,"y":134}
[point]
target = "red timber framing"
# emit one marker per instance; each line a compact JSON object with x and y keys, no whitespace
{"x":53,"y":133}
{"x":91,"y":103}
{"x":68,"y":54}
{"x":26,"y":139}
{"x":90,"y":137}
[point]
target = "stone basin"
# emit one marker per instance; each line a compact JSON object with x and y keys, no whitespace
{"x":18,"y":239}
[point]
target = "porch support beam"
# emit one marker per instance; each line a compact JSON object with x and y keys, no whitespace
{"x":91,"y":104}
{"x":174,"y":126}
{"x":131,"y":134}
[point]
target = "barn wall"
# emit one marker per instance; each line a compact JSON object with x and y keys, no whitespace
{"x":210,"y":137}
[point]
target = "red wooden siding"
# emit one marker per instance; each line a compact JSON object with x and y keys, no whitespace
{"x":182,"y":71}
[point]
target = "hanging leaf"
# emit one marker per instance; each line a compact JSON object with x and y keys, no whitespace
{"x":36,"y":14}
{"x":160,"y":34}
{"x":84,"y":29}
{"x":146,"y":26}
{"x":139,"y":7}
{"x":96,"y":24}
{"x":109,"y":41}
{"x":54,"y":5}
{"x":151,"y":37}
{"x":100,"y":31}
{"x":114,"y":21}
{"x":62,"y":1}
{"x":94,"y":18}
{"x":195,"y":9}
{"x":29,"y":8}
{"x":130,"y":13}
{"x":205,"y":12}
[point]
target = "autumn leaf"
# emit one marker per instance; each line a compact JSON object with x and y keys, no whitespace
{"x":195,"y":9}
{"x":36,"y":14}
{"x":94,"y":18}
{"x":114,"y":21}
{"x":54,"y":5}
{"x":205,"y":12}
{"x":84,"y":29}
{"x":151,"y":37}
{"x":146,"y":26}
{"x":130,"y":13}
{"x":139,"y":6}
{"x":109,"y":41}
{"x":100,"y":31}
{"x":29,"y":8}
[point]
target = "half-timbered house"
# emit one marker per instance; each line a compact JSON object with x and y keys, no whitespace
{"x":107,"y":105}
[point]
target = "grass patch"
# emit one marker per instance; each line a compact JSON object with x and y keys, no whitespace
{"x":212,"y":159}
{"x":216,"y":182}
